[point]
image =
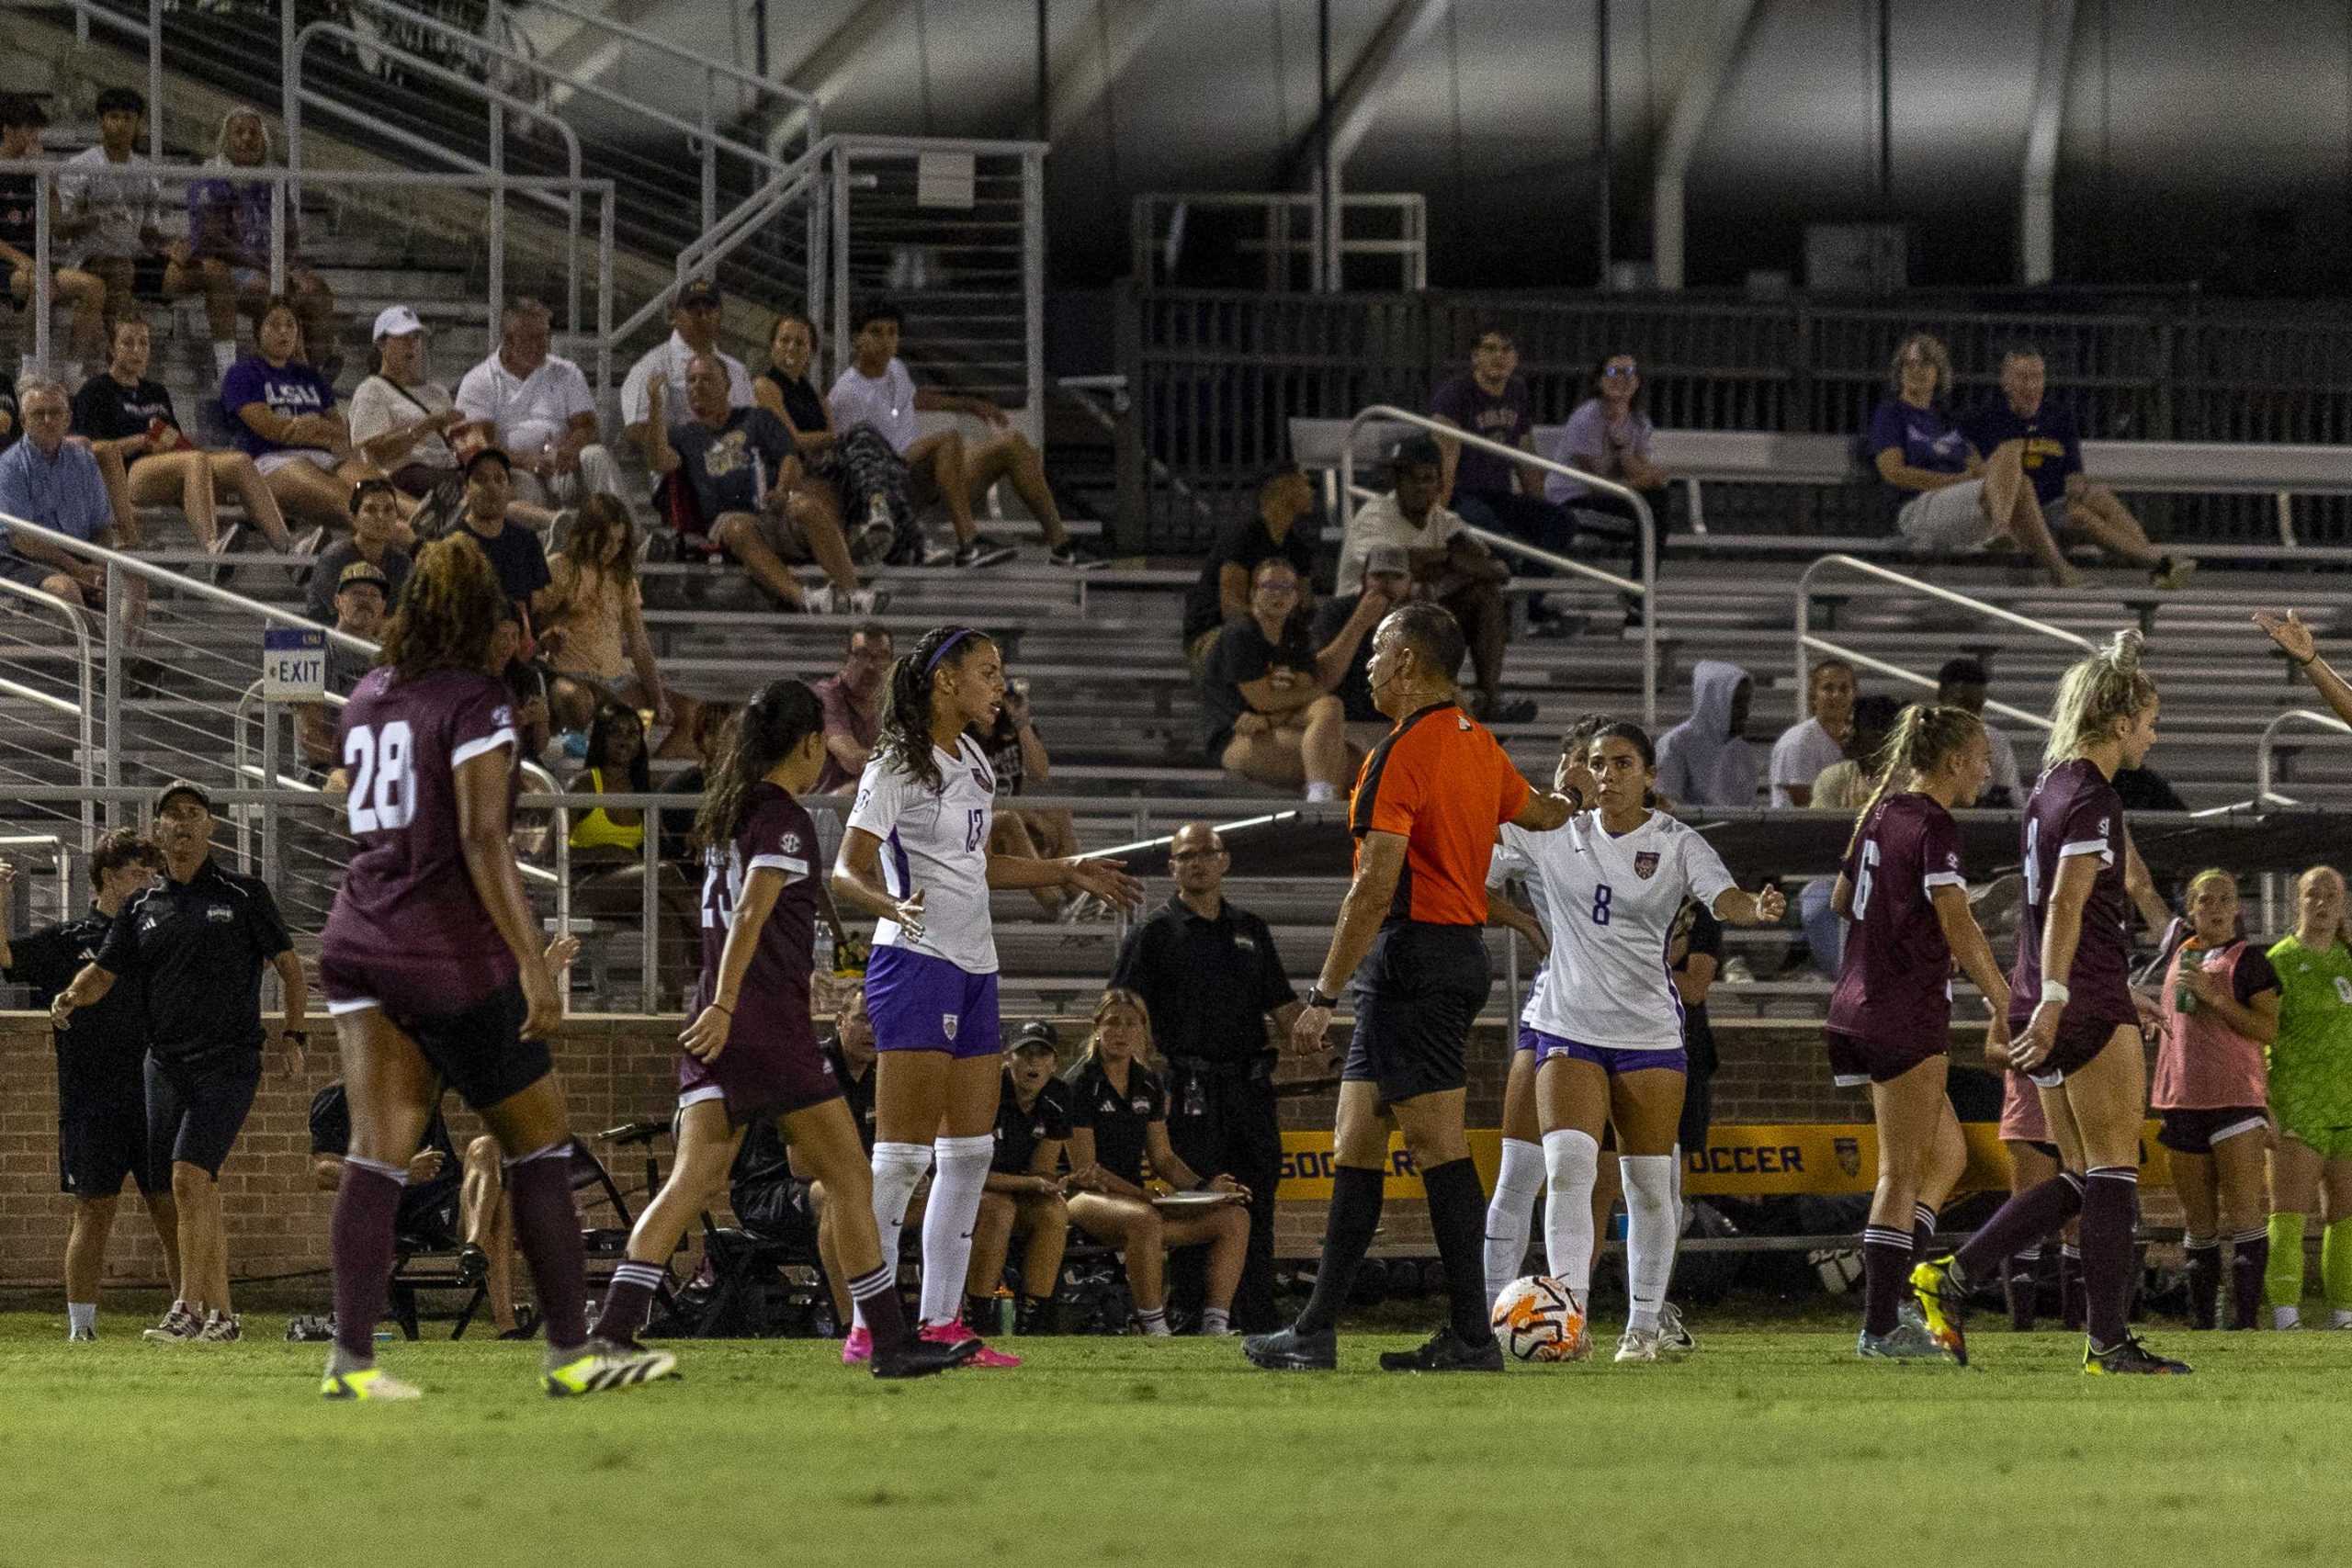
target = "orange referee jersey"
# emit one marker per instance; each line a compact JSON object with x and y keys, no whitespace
{"x":1442,"y":783}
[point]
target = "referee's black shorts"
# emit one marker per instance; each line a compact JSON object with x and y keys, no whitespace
{"x":1417,"y":994}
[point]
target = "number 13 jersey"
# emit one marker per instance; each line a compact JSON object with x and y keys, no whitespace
{"x":936,"y":842}
{"x":407,"y":909}
{"x":1609,"y":902}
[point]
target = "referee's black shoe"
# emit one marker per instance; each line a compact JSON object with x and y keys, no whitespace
{"x":1288,"y":1351}
{"x":1445,"y":1352}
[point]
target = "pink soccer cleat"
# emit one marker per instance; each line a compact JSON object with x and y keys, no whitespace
{"x":858,"y":1348}
{"x":954,"y":1333}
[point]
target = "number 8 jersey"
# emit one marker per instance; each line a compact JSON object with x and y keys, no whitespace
{"x":1608,"y":903}
{"x":407,"y":915}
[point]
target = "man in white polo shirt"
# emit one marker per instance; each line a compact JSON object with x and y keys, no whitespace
{"x":693,"y":328}
{"x":545,"y":417}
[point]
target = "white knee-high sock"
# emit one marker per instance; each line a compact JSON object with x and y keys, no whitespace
{"x":898,"y":1171}
{"x":1510,"y":1211}
{"x":1651,"y":1226}
{"x":1572,"y":1162}
{"x":948,"y":1220}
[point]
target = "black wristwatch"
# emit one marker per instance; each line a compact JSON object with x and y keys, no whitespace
{"x":1315,"y":999}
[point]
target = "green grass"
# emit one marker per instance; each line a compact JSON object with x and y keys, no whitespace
{"x":1768,"y":1448}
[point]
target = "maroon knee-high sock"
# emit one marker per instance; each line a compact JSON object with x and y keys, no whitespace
{"x":2249,"y":1258}
{"x":365,"y":1206}
{"x":2023,"y":1220}
{"x":2202,"y":1255}
{"x":546,"y":1232}
{"x":2110,"y":1230}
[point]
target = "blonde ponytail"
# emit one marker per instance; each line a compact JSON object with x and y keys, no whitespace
{"x":2096,"y":694}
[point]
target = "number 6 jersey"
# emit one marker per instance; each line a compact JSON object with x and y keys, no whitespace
{"x":1609,"y":902}
{"x":407,"y":909}
{"x":1894,"y":988}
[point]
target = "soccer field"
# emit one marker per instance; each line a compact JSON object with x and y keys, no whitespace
{"x":1767,"y":1446}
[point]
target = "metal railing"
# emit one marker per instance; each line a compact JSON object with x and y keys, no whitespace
{"x":1289,"y":235}
{"x":2265,"y":750}
{"x":25,"y":748}
{"x":1646,"y":588}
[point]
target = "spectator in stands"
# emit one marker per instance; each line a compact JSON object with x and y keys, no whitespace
{"x":112,"y":200}
{"x":2050,"y":453}
{"x":851,"y":1054}
{"x":119,"y":410}
{"x":1387,"y":582}
{"x":226,"y":255}
{"x":1019,"y":759}
{"x":55,"y":483}
{"x":1450,"y":567}
{"x":535,"y":404}
{"x":693,"y":329}
{"x":703,"y":735}
{"x":409,"y":428}
{"x":21,"y":122}
{"x":867,"y":477}
{"x":363,"y":597}
{"x":1025,"y":1191}
{"x":591,"y":621}
{"x":1118,"y":1120}
{"x":877,"y":389}
{"x":1948,"y":498}
{"x":1282,"y":525}
{"x":379,"y":537}
{"x":1961,"y":684}
{"x":851,"y":699}
{"x":1819,"y":740}
{"x":283,"y":414}
{"x":744,"y":479}
{"x":1844,"y":786}
{"x":1608,"y":435}
{"x":1487,"y":490}
{"x":515,"y":553}
{"x":1707,"y":759}
{"x":608,"y":841}
{"x":8,"y":430}
{"x":1266,"y":707}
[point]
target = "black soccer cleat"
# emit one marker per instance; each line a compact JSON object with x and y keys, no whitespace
{"x":2129,"y":1357}
{"x":922,"y":1358}
{"x":1288,"y":1351}
{"x":1445,"y":1351}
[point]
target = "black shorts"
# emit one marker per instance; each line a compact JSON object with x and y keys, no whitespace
{"x":100,"y":1142}
{"x":2196,"y":1132}
{"x":1854,"y":1061}
{"x":480,"y":1052}
{"x":1416,"y":996}
{"x":197,"y":1107}
{"x":2081,"y":1037}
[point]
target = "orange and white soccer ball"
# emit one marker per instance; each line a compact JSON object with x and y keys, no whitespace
{"x":1539,"y":1319}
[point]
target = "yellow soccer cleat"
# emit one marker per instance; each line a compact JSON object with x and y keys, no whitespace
{"x":600,"y":1368}
{"x":369,"y":1383}
{"x":1938,"y":1294}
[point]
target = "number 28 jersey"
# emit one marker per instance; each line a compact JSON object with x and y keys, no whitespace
{"x":1608,"y":903}
{"x":406,"y":903}
{"x":936,"y":842}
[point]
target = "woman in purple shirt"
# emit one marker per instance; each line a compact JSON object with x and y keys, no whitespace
{"x":283,"y":416}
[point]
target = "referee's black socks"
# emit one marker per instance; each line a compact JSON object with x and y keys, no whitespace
{"x":1458,"y":1216}
{"x":1347,"y":1236}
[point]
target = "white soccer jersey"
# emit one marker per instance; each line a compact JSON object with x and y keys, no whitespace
{"x":938,"y":842}
{"x":1608,"y":902}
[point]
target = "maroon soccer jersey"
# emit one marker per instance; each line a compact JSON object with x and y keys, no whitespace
{"x":771,"y":1010}
{"x":407,"y":916}
{"x":2076,"y":811}
{"x":1894,"y":987}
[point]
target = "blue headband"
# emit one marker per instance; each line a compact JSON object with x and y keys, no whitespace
{"x":947,"y":646}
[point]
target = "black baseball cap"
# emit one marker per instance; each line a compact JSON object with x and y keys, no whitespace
{"x":177,"y":787}
{"x":1037,"y":1035}
{"x":701,"y":294}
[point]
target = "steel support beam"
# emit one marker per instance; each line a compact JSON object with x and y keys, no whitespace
{"x":2037,"y":219}
{"x":1712,"y":63}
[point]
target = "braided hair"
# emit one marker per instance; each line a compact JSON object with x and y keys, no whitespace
{"x":1925,"y":736}
{"x":904,"y":742}
{"x":770,"y":728}
{"x":2096,"y":694}
{"x":450,"y":607}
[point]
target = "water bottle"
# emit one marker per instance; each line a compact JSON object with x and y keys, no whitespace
{"x":824,"y":952}
{"x":2183,"y":999}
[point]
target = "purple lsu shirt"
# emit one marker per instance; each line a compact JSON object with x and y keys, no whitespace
{"x":2076,"y":811}
{"x":407,"y":912}
{"x":1894,"y":987}
{"x":776,"y":834}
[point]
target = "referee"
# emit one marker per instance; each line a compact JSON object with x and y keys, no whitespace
{"x":196,"y":943}
{"x":1208,"y":972}
{"x":101,"y":1082}
{"x":1424,"y":813}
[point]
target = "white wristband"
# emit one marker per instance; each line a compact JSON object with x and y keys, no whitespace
{"x":2051,"y":991}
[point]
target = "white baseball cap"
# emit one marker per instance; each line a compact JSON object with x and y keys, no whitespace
{"x":395,"y":320}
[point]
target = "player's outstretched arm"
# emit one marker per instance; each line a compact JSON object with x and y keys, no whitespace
{"x":1546,"y":811}
{"x":2295,"y":640}
{"x":1761,"y":908}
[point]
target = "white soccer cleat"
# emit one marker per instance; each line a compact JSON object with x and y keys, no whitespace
{"x":1638,"y":1345}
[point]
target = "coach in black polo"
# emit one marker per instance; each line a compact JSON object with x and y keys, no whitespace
{"x":196,"y":942}
{"x":1210,"y":975}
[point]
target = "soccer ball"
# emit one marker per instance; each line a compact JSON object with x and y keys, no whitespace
{"x":1539,"y":1319}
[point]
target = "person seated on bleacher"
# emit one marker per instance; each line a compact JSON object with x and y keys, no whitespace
{"x":1118,"y":1117}
{"x":112,"y":200}
{"x":537,"y":405}
{"x":693,"y":329}
{"x":1819,"y":740}
{"x":362,"y":604}
{"x":56,"y":483}
{"x":282,"y":411}
{"x":590,"y":618}
{"x":1268,"y":715}
{"x":852,"y":701}
{"x":429,"y":1203}
{"x":21,"y":121}
{"x":409,"y":428}
{"x":1961,"y":684}
{"x":1947,"y":496}
{"x":379,"y":537}
{"x":1451,"y":567}
{"x":120,"y":411}
{"x":744,"y":493}
{"x":1025,"y":1186}
{"x":1387,"y":582}
{"x":1608,"y":435}
{"x":608,"y":841}
{"x":2051,"y":456}
{"x":1707,"y":760}
{"x":8,"y":430}
{"x":1283,"y":525}
{"x":1842,"y":785}
{"x":877,"y":389}
{"x":1018,"y":758}
{"x":1490,"y":490}
{"x":867,"y":478}
{"x":226,"y":254}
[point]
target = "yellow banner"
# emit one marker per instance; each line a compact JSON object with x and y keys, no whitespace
{"x":1741,"y":1160}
